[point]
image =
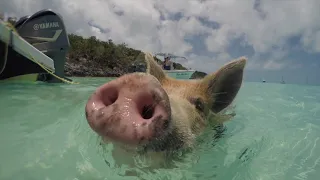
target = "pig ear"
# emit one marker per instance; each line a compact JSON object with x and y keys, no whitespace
{"x":153,"y":68}
{"x":223,"y":86}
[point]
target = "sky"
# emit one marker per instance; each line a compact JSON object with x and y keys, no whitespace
{"x":280,"y":38}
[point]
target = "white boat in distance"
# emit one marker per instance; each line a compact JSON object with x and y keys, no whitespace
{"x":175,"y":73}
{"x":180,"y":74}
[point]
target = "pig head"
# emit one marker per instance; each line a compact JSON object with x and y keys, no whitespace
{"x":152,"y":112}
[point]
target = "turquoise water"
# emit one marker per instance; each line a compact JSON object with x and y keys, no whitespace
{"x":44,"y":135}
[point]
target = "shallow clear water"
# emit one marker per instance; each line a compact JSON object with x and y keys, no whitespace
{"x":44,"y":135}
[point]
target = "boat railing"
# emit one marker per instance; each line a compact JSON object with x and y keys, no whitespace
{"x":23,"y":47}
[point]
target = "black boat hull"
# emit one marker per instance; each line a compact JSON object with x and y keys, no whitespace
{"x":19,"y":67}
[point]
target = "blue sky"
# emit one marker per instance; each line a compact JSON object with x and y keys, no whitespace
{"x":279,"y":37}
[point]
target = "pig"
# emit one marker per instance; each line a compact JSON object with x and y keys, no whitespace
{"x":152,"y":115}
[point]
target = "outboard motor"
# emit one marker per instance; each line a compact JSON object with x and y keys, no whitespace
{"x":46,"y":31}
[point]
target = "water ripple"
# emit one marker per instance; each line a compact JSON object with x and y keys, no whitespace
{"x":275,"y":135}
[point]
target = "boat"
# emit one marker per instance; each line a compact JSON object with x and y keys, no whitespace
{"x":180,"y":74}
{"x":282,"y":81}
{"x":34,"y":48}
{"x":263,"y":80}
{"x":176,"y":73}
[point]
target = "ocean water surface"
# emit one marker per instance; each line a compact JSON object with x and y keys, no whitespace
{"x":44,"y":135}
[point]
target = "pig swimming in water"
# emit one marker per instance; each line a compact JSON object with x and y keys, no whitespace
{"x":153,"y":114}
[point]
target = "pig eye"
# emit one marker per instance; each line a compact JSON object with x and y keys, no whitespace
{"x":198,"y":104}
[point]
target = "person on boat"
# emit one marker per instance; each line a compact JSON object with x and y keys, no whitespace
{"x":167,"y":64}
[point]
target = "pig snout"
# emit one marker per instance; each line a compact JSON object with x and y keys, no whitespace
{"x":133,"y":110}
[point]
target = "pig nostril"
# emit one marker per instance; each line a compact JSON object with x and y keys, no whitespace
{"x":109,"y":96}
{"x":147,"y":112}
{"x":113,"y":98}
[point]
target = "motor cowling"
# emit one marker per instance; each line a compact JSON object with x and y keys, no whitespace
{"x":45,"y":30}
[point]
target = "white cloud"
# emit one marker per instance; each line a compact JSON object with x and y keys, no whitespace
{"x":192,"y":26}
{"x":220,"y":39}
{"x":272,"y":65}
{"x":266,"y":25}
